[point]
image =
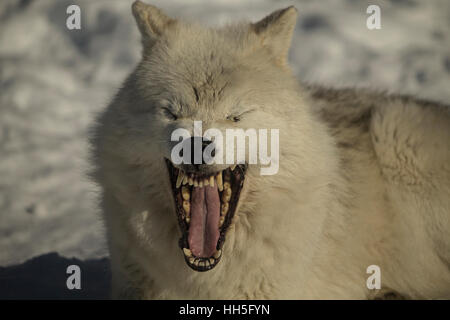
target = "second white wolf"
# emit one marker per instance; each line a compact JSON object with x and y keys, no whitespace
{"x":364,"y":178}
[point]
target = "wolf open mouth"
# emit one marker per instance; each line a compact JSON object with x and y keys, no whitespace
{"x":205,"y":206}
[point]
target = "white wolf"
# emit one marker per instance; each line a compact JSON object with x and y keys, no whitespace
{"x":364,"y":178}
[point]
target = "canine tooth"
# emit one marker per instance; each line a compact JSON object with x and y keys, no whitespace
{"x":233,"y":167}
{"x":206,"y":182}
{"x":185,"y":193}
{"x":224,"y":208}
{"x":180,"y":178}
{"x":211,"y":261}
{"x":211,"y":181}
{"x":191,"y":181}
{"x":191,"y":260}
{"x":219,"y":181}
{"x":217,"y":254}
{"x":187,"y":252}
{"x":187,"y":206}
{"x":195,"y":183}
{"x":185,"y":180}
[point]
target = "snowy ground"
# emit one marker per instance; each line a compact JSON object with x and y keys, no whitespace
{"x":53,"y":80}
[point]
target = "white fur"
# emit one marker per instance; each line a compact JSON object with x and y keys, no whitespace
{"x":349,"y":193}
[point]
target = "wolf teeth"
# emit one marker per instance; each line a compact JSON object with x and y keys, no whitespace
{"x":202,"y":262}
{"x":224,"y":209}
{"x":226,"y":195}
{"x":185,"y":193}
{"x":219,"y":181}
{"x":180,"y":178}
{"x":187,"y":252}
{"x":217,"y":254}
{"x":187,"y":206}
{"x":222,"y":179}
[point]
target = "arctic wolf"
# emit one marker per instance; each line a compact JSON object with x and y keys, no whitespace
{"x":363,"y":179}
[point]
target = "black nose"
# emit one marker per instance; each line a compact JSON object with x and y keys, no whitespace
{"x":203,"y":143}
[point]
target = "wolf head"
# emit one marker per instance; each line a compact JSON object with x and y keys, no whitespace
{"x":233,"y":77}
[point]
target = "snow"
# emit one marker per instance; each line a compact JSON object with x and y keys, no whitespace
{"x":53,"y":81}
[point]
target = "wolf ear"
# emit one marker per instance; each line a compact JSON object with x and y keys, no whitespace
{"x":275,"y":32}
{"x":151,"y":22}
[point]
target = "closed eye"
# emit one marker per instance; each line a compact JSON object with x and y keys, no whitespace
{"x":169,"y":114}
{"x":234,"y":118}
{"x":237,"y":118}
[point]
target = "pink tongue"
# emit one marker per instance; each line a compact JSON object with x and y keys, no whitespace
{"x":204,"y":225}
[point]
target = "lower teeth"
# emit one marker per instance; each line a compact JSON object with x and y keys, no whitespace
{"x":217,"y":254}
{"x":201,"y":262}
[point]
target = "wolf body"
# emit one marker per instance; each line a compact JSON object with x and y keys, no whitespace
{"x":364,"y":177}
